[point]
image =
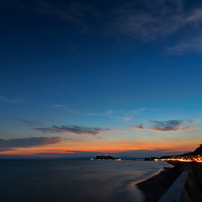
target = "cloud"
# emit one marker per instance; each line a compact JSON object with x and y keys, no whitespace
{"x":194,"y":17}
{"x":139,"y":127}
{"x":69,"y":110}
{"x":73,"y":129}
{"x":15,"y":101}
{"x":10,"y":144}
{"x":149,"y":19}
{"x":122,"y":115}
{"x":81,"y":113}
{"x":152,"y":20}
{"x":34,"y":123}
{"x":137,"y":111}
{"x":65,"y":129}
{"x":167,"y":126}
{"x":127,"y":117}
{"x":6,"y":149}
{"x":60,"y":106}
{"x":117,"y":115}
{"x":187,"y":45}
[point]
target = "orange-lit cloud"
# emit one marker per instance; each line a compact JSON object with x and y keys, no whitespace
{"x":159,"y":130}
{"x":167,"y":126}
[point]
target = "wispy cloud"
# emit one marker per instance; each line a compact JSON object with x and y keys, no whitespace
{"x":73,"y":111}
{"x":66,"y":129}
{"x":150,"y":20}
{"x":61,"y":106}
{"x":193,"y":44}
{"x":137,"y":111}
{"x":167,"y":126}
{"x":127,"y":117}
{"x":15,"y":100}
{"x":73,"y":129}
{"x":11,"y":144}
{"x":85,"y":114}
{"x":34,"y":123}
{"x":117,"y":115}
{"x":123,"y":115}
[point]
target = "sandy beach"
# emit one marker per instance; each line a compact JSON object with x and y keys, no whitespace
{"x":154,"y":187}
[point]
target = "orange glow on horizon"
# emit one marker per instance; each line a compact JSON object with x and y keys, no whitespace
{"x":109,"y":145}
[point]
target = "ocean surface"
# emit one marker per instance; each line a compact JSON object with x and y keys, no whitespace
{"x":74,"y":180}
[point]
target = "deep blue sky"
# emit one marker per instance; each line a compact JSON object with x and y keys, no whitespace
{"x":126,"y":72}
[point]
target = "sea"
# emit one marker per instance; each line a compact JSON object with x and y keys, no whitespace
{"x":74,"y":180}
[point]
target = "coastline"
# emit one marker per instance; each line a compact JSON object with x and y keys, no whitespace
{"x":154,"y":187}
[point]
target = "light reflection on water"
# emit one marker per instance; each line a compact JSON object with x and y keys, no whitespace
{"x":73,"y":180}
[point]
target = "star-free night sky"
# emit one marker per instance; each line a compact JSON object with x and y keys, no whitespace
{"x":81,"y":78}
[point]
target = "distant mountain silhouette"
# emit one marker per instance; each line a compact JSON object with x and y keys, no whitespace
{"x":198,"y":151}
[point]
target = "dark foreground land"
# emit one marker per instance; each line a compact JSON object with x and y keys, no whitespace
{"x":156,"y":186}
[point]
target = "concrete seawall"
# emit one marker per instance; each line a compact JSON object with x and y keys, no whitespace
{"x":186,"y":187}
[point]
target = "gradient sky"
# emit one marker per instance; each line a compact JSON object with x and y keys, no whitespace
{"x":82,"y":78}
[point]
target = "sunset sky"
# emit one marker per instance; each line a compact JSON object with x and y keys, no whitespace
{"x":84,"y":78}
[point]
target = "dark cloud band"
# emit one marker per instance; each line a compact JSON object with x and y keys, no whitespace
{"x":78,"y":130}
{"x":27,"y":142}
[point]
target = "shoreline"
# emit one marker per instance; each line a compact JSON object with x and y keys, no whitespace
{"x":154,"y":187}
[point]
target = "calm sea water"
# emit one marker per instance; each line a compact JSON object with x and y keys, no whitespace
{"x":73,"y":180}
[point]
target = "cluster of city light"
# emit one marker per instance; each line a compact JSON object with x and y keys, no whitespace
{"x":183,"y":159}
{"x":188,"y":157}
